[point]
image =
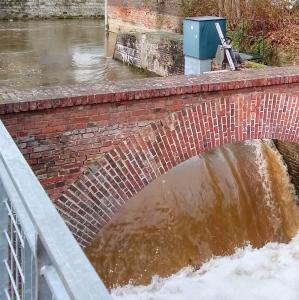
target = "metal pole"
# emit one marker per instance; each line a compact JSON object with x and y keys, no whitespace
{"x":106,"y":15}
{"x":227,"y":48}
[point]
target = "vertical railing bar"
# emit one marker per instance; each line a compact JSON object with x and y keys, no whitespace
{"x":14,"y":222}
{"x":23,"y":269}
{"x":28,"y":229}
{"x":7,"y":295}
{"x":4,"y":250}
{"x":12,"y":279}
{"x":14,"y":255}
{"x":21,"y":251}
{"x":13,"y":234}
{"x":10,"y":255}
{"x":20,"y":272}
{"x":28,"y":265}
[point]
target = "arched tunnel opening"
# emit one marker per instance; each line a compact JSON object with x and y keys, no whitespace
{"x":207,"y":206}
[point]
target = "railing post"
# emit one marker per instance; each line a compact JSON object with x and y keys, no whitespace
{"x":44,"y":290}
{"x":30,"y":289}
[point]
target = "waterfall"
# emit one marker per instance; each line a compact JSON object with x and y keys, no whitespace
{"x":235,"y":197}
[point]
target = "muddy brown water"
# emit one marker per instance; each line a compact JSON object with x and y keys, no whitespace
{"x":59,"y":52}
{"x":208,"y":205}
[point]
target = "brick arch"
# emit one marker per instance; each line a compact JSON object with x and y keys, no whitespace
{"x":116,"y":176}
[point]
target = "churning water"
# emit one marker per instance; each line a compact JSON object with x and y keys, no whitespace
{"x":270,"y":273}
{"x":198,"y":231}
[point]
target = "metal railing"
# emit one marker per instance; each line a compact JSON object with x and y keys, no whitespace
{"x":39,"y":257}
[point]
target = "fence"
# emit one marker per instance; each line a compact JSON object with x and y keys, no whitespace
{"x":39,"y":258}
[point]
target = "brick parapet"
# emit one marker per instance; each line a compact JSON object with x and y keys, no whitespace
{"x":12,"y":101}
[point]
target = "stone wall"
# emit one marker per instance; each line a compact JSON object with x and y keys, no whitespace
{"x":19,"y":9}
{"x":157,"y":52}
{"x":94,"y":146}
{"x":144,"y":15}
{"x":290,"y":154}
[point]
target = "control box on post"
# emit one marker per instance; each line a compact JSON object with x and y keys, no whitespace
{"x":200,"y":43}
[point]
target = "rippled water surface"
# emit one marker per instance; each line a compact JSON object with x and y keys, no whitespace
{"x":209,"y":205}
{"x":59,"y":52}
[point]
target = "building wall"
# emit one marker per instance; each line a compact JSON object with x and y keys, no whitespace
{"x":157,"y":52}
{"x":144,"y":15}
{"x":94,"y":146}
{"x":18,"y":9}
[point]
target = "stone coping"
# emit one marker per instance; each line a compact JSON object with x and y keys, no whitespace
{"x":14,"y":101}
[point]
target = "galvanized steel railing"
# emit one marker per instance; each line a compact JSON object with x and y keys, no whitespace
{"x":39,"y":257}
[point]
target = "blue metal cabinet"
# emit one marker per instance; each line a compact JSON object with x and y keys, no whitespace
{"x":201,"y":38}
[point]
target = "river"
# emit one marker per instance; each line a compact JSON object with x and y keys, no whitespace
{"x":217,"y":227}
{"x":208,"y":206}
{"x":58,"y":52}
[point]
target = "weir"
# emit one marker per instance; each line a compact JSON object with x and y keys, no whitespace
{"x":205,"y":207}
{"x":95,"y":146}
{"x":148,"y":177}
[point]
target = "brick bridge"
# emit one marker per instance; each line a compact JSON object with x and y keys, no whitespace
{"x":94,"y":147}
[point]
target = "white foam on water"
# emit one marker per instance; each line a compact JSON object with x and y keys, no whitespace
{"x":269,"y":273}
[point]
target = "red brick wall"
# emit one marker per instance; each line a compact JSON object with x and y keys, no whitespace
{"x":143,"y":15}
{"x":94,"y":151}
{"x":171,"y":7}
